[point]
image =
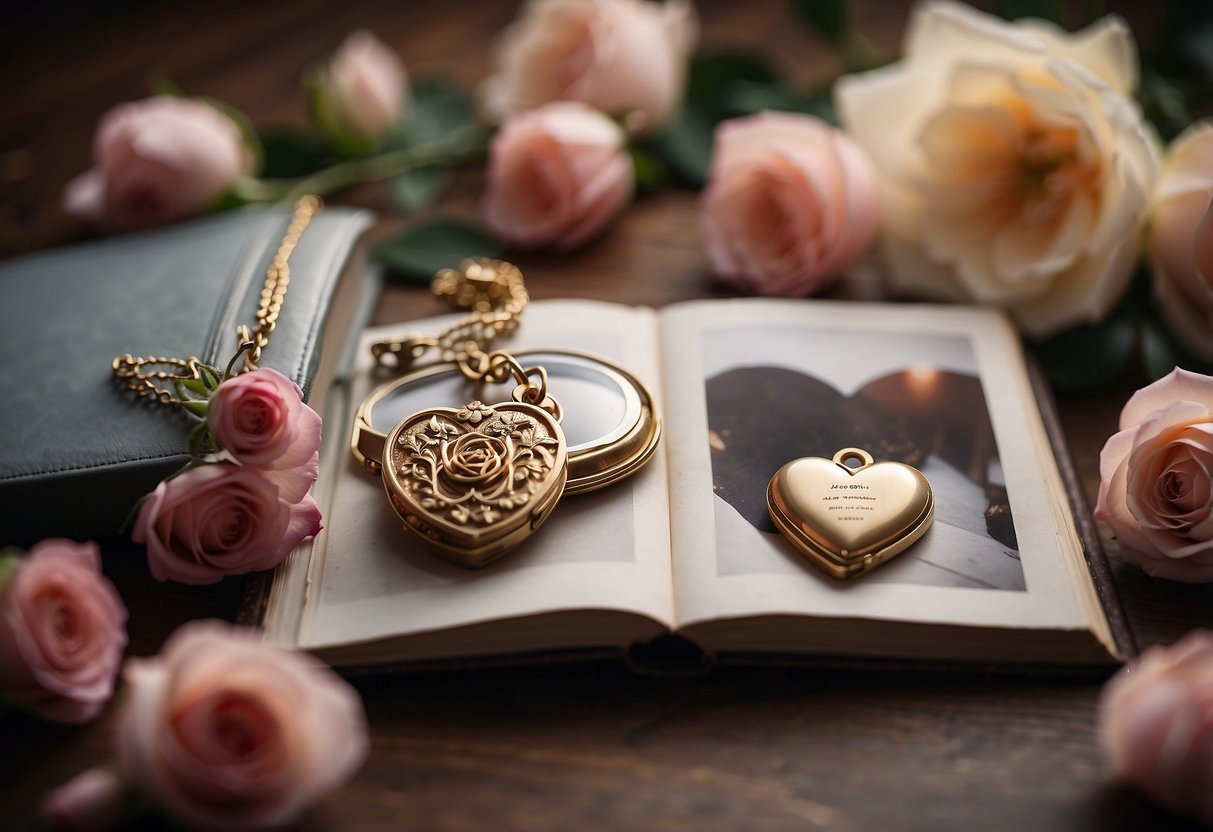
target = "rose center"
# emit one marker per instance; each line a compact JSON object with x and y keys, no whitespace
{"x":1048,"y":174}
{"x":254,"y":416}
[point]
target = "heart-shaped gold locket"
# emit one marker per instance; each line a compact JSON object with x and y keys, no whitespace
{"x":849,"y":520}
{"x":473,"y":483}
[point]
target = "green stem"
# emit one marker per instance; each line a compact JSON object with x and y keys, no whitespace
{"x":461,"y":145}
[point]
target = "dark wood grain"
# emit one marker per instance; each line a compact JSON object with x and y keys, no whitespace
{"x":585,"y":746}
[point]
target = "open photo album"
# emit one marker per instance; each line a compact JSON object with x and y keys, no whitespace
{"x":685,"y":546}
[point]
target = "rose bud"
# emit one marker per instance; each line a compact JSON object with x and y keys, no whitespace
{"x":556,"y":177}
{"x":1156,"y":724}
{"x":362,"y":94}
{"x":224,"y":731}
{"x":1181,"y":240}
{"x":1156,"y":478}
{"x":92,"y":801}
{"x":156,"y":161}
{"x":260,"y":419}
{"x":222,"y":519}
{"x":62,"y":632}
{"x":790,"y":205}
{"x":618,"y":56}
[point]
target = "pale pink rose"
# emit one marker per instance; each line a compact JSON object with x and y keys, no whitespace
{"x":92,"y":801}
{"x":1156,"y":724}
{"x":1013,"y":164}
{"x":1156,"y":478}
{"x":62,"y":632}
{"x":556,"y":177}
{"x":221,"y":519}
{"x":365,"y":88}
{"x":1181,"y":239}
{"x":618,"y":56}
{"x":260,"y":419}
{"x":224,"y":731}
{"x":791,"y":204}
{"x":158,"y":160}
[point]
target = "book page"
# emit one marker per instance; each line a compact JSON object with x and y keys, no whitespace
{"x":760,"y":383}
{"x":605,"y":550}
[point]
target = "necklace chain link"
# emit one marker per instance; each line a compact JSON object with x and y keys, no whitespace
{"x":155,"y":377}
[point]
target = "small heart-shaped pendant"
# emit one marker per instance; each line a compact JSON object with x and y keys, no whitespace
{"x":848,"y":520}
{"x":473,"y":483}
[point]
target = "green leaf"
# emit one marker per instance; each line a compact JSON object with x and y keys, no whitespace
{"x":440,"y":108}
{"x":418,"y":189}
{"x":685,"y":143}
{"x":1052,"y":10}
{"x":1163,"y":103}
{"x":745,"y":98}
{"x":649,"y":173}
{"x":1161,"y":352}
{"x":1089,"y":357}
{"x":10,"y":562}
{"x":711,"y":74}
{"x":197,"y":408}
{"x":430,"y":245}
{"x":196,"y":386}
{"x":211,"y":377}
{"x":289,"y":153}
{"x":831,"y":19}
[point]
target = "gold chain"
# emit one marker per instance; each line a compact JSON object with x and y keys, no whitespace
{"x":146,"y":376}
{"x":494,"y":291}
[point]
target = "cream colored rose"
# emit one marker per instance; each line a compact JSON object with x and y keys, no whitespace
{"x":1156,"y":478}
{"x":1014,"y":168}
{"x":1156,"y":724}
{"x":615,"y":55}
{"x":1181,"y":239}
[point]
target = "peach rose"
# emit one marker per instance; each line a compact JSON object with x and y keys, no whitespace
{"x":617,"y":56}
{"x":224,"y":731}
{"x":1013,"y":165}
{"x":1156,"y":724}
{"x":1181,"y":239}
{"x":363,"y":91}
{"x":791,"y":204}
{"x":222,"y":519}
{"x":158,"y":160}
{"x":556,"y":176}
{"x":1156,"y":478}
{"x":260,"y":419}
{"x":62,"y":632}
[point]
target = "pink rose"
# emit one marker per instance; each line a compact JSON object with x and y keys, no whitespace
{"x":91,"y":801}
{"x":62,"y":632}
{"x":224,"y":731}
{"x":260,"y":419}
{"x":556,"y":177}
{"x":158,"y":160}
{"x":1181,"y":239}
{"x":615,"y":55}
{"x":1156,"y":478}
{"x":1156,"y":724}
{"x":790,"y":205}
{"x":222,"y":519}
{"x":363,"y":92}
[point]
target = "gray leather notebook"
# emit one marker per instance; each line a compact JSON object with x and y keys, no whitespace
{"x":76,"y":450}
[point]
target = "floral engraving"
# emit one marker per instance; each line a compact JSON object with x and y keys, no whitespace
{"x":475,"y":468}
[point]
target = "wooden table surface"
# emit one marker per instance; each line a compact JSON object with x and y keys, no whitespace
{"x":587,"y":746}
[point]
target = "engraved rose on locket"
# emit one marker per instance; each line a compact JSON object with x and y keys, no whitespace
{"x":475,"y":481}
